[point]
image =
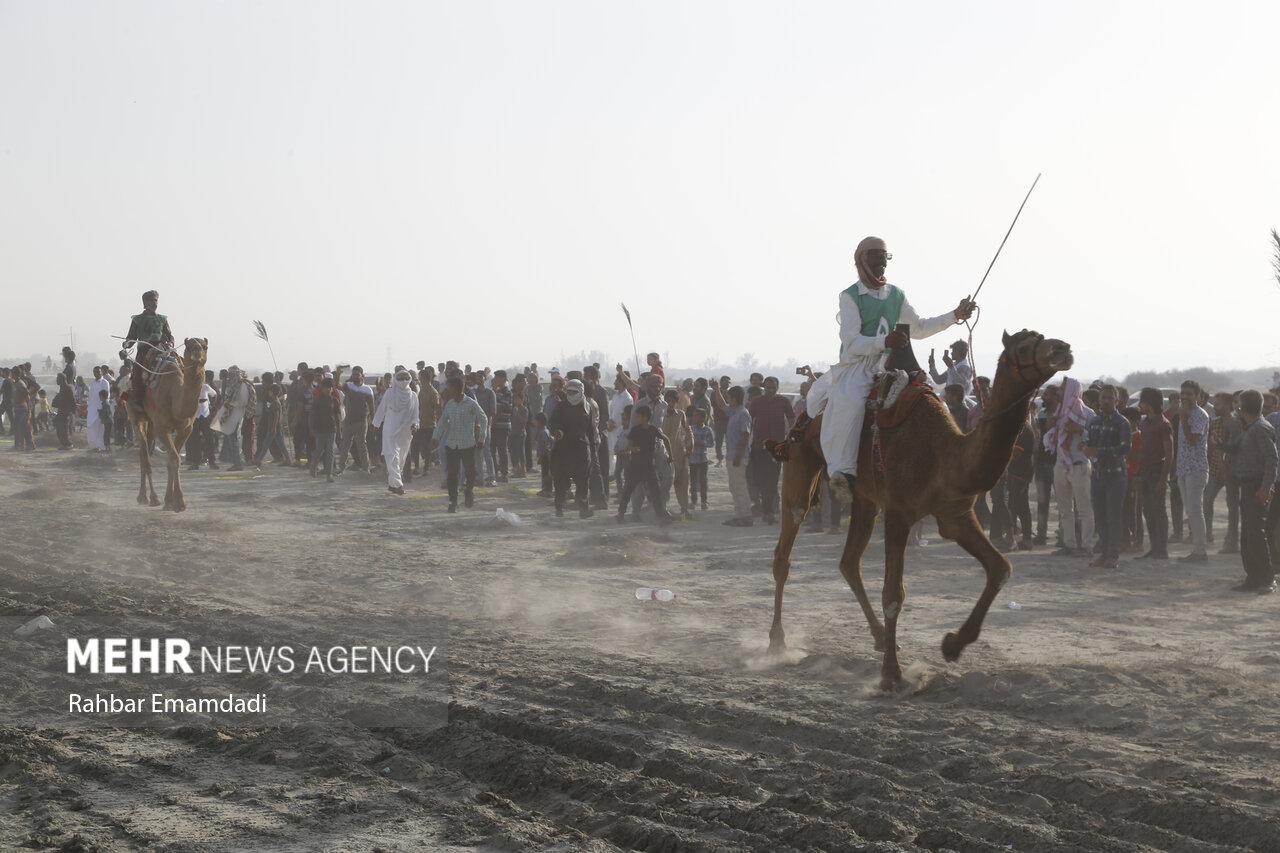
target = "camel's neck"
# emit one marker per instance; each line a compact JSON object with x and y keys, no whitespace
{"x":989,"y":447}
{"x":192,"y":383}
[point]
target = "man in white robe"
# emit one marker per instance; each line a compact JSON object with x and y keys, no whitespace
{"x":94,"y":429}
{"x":870,"y":310}
{"x":235,"y":403}
{"x":398,"y":417}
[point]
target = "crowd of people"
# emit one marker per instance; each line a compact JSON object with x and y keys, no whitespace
{"x":1118,"y":473}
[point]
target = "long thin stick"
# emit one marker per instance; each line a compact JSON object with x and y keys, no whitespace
{"x":977,"y":389}
{"x":634,"y":348}
{"x":1006,"y":236}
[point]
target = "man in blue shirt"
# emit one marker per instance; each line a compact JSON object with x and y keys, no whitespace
{"x":1109,"y":440}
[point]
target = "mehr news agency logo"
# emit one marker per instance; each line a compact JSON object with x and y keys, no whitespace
{"x":173,"y":656}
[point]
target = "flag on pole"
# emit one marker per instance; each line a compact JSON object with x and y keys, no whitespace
{"x":260,"y":329}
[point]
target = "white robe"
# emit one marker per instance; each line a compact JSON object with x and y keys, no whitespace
{"x":94,"y":429}
{"x":397,"y":414}
{"x":233,"y":409}
{"x":840,"y":394}
{"x":621,"y":399}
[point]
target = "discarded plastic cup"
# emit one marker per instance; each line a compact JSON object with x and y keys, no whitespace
{"x":648,"y":593}
{"x":1013,"y":605}
{"x":34,"y":625}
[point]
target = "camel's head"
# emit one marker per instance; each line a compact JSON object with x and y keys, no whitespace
{"x":195,"y":351}
{"x":1035,"y":358}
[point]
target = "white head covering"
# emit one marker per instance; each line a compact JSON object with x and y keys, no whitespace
{"x":573,"y":392}
{"x":399,"y":396}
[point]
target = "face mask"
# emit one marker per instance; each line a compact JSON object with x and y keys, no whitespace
{"x":575,"y":397}
{"x":402,"y":384}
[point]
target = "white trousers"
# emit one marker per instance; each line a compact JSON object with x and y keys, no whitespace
{"x":395,"y":450}
{"x":840,"y":396}
{"x":1074,"y":487}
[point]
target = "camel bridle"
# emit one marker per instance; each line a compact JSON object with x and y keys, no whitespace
{"x":1018,"y":368}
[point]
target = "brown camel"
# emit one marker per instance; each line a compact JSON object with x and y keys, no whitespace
{"x":167,"y":414}
{"x":931,"y":468}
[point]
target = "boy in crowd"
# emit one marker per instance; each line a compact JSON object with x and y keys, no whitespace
{"x":326,"y":427}
{"x":105,"y":417}
{"x":542,"y":452}
{"x":703,"y":438}
{"x":642,"y":441}
{"x":64,"y":404}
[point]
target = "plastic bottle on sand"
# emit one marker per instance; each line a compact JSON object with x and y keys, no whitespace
{"x":648,"y":593}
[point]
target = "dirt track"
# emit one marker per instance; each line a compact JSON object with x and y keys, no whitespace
{"x":1128,"y":711}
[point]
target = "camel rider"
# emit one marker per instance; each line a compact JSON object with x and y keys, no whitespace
{"x":150,"y":331}
{"x":870,"y":311}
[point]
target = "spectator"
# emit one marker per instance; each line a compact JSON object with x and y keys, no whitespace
{"x":462,"y":429}
{"x":500,"y":426}
{"x":1255,"y":460}
{"x":94,"y":424}
{"x":355,"y":425}
{"x":235,"y":402}
{"x":1071,"y":481}
{"x":1223,"y":428}
{"x":958,"y":370}
{"x":1132,"y":504}
{"x":542,"y":452}
{"x":1271,"y":411}
{"x":397,"y":417}
{"x":703,"y":439}
{"x":64,"y":405}
{"x":771,"y":419}
{"x":69,"y":365}
{"x":20,"y":405}
{"x":1109,"y":439}
{"x":325,"y":427}
{"x":1175,"y":493}
{"x":105,"y":418}
{"x":1154,"y":462}
{"x":429,"y":404}
{"x":720,"y":411}
{"x":1018,"y":482}
{"x":643,"y":439}
{"x":737,"y":442}
{"x":599,"y":475}
{"x":488,"y":401}
{"x":519,"y":427}
{"x":953,"y":397}
{"x":1191,"y":461}
{"x":574,"y":432}
{"x":675,"y":426}
{"x":272,"y":423}
{"x":200,"y":445}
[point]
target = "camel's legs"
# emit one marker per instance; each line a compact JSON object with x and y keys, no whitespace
{"x":145,"y":442}
{"x":896,"y":529}
{"x":171,"y":461}
{"x":799,"y":482}
{"x":175,"y":465}
{"x":862,"y":521}
{"x":968,"y":533}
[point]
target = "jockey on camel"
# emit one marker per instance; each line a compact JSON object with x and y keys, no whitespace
{"x":151,"y":332}
{"x":870,"y":311}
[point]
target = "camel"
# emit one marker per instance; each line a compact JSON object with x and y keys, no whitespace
{"x":167,"y":415}
{"x":930,"y":468}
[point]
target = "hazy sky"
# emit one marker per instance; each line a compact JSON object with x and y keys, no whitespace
{"x":487,"y":181}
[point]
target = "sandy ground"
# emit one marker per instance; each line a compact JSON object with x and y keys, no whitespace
{"x":1129,"y":710}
